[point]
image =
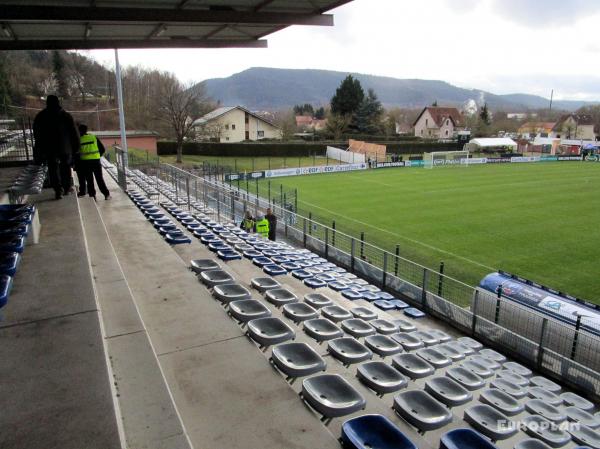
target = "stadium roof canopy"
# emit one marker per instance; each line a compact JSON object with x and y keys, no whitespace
{"x":91,"y":24}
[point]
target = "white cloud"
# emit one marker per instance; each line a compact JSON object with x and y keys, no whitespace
{"x":503,"y":46}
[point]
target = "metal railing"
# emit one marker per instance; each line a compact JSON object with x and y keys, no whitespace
{"x":554,"y":348}
{"x":16,"y":145}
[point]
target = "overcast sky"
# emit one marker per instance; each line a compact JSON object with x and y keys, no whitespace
{"x":503,"y":46}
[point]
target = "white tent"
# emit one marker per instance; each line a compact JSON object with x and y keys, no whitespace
{"x":492,"y":142}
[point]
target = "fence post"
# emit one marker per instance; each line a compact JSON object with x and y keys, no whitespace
{"x":304,"y":231}
{"x":576,"y":336}
{"x":252,"y":164}
{"x":326,"y":242}
{"x":296,"y":200}
{"x":281,"y":196}
{"x":232,"y":206}
{"x":352,"y":245}
{"x":333,"y":233}
{"x":187,"y":191}
{"x":396,"y":260}
{"x":498,"y":299}
{"x":310,"y":219}
{"x":540,"y":355}
{"x":362,"y":245}
{"x":440,"y":279}
{"x":256,"y":179}
{"x":424,"y":289}
{"x":218,"y":205}
{"x":269,"y":184}
{"x":474,"y":312}
{"x":384,"y":275}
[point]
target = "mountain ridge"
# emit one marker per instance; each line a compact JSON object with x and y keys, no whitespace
{"x":274,"y":88}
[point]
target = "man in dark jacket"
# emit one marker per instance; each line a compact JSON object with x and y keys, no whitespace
{"x":272,"y":219}
{"x":56,"y":139}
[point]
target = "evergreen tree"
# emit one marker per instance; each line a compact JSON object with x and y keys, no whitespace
{"x":320,"y":113}
{"x":484,"y":115}
{"x":348,"y":97}
{"x":368,"y":118}
{"x":60,"y":75}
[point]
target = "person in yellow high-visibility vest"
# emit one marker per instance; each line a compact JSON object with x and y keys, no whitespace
{"x":90,"y":151}
{"x":262,"y":226}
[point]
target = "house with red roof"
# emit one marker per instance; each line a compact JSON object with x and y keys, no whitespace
{"x":438,"y":123}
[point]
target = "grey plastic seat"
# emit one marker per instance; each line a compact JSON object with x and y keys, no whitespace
{"x":269,"y":331}
{"x":531,"y":443}
{"x":541,"y":428}
{"x":348,"y":350}
{"x":382,"y":345}
{"x":501,"y":401}
{"x":421,"y":410}
{"x":200,"y":265}
{"x":248,"y":309}
{"x":477,"y":368}
{"x":299,"y":311}
{"x":466,"y":378}
{"x":363,"y":313}
{"x":322,"y":329}
{"x":518,"y":368}
{"x":335,"y":313}
{"x":226,"y":293}
{"x":412,"y":365}
{"x":548,"y":411}
{"x":357,"y":327}
{"x":427,"y":338}
{"x":547,"y":384}
{"x":509,"y":388}
{"x":468,"y":341}
{"x":464,"y":349}
{"x":448,"y":391}
{"x":435,"y":358}
{"x":280,"y":296}
{"x":574,"y":400}
{"x":331,"y":395}
{"x":384,"y":327}
{"x":489,"y":364}
{"x":492,"y":355}
{"x":381,"y":377}
{"x":585,"y":436}
{"x":317,"y":300}
{"x":442,"y":336}
{"x":544,"y":395}
{"x":405,"y":326}
{"x":215,"y":277}
{"x":489,"y":422}
{"x":449,"y":352}
{"x":297,"y":360}
{"x":575,"y":414}
{"x":513,"y":377}
{"x":263,"y":284}
{"x":408,"y":341}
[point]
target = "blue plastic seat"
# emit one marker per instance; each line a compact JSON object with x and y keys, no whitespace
{"x":301,"y":274}
{"x":338,"y":286}
{"x":274,"y":270}
{"x":177,"y":239}
{"x":12,"y":243}
{"x":414,"y":313}
{"x":314,"y":282}
{"x":261,"y":261}
{"x":290,"y":266}
{"x":399,"y":304}
{"x":465,"y":439}
{"x":228,"y":254}
{"x":369,"y":296}
{"x":9,"y":262}
{"x":218,"y":246}
{"x":279,"y":259}
{"x":14,"y":228}
{"x":384,"y":304}
{"x":352,"y":295}
{"x":6,"y":282}
{"x":373,"y":432}
{"x":209,"y":238}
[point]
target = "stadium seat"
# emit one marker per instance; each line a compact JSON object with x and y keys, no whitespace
{"x":325,"y":277}
{"x":177,"y":239}
{"x":434,"y":358}
{"x":490,"y":422}
{"x":352,"y":295}
{"x":383,"y":345}
{"x":501,"y":401}
{"x":226,"y":293}
{"x":546,"y":384}
{"x":322,"y":329}
{"x":398,"y":304}
{"x":12,"y":243}
{"x":215,"y":277}
{"x":414,"y":313}
{"x":468,"y":341}
{"x":335,"y":313}
{"x":421,"y":410}
{"x":261,"y":261}
{"x":408,"y":341}
{"x":517,"y":368}
{"x":251,"y":254}
{"x":509,"y":388}
{"x":585,"y":435}
{"x":464,"y":349}
{"x":219,"y":246}
{"x":6,"y":282}
{"x":542,"y":429}
{"x":577,"y":415}
{"x":442,"y":336}
{"x":317,"y":300}
{"x":262,"y":284}
{"x":384,"y":327}
{"x":449,"y":352}
{"x":331,"y":396}
{"x":574,"y":400}
{"x":531,"y":443}
{"x":338,"y":286}
{"x":228,"y":255}
{"x":465,"y":439}
{"x":490,"y":364}
{"x":513,"y":377}
{"x":299,"y":311}
{"x":280,"y":296}
{"x":427,"y":338}
{"x":274,"y":270}
{"x":412,"y":365}
{"x":544,"y":395}
{"x":405,"y":326}
{"x":9,"y":263}
{"x":548,"y":411}
{"x":448,"y":391}
{"x":381,"y":377}
{"x":243,"y":247}
{"x":384,"y":304}
{"x":373,"y":432}
{"x":301,"y":274}
{"x":269,"y":331}
{"x":245,"y":310}
{"x":477,"y":368}
{"x":363,"y":313}
{"x":492,"y":355}
{"x":357,"y":327}
{"x":466,"y":378}
{"x":348,"y":350}
{"x":297,"y":360}
{"x":314,"y":282}
{"x":200,"y":265}
{"x":369,"y":296}
{"x":290,"y":266}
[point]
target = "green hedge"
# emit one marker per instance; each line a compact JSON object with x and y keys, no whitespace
{"x":420,"y":147}
{"x":272,"y":149}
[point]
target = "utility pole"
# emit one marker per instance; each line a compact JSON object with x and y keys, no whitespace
{"x":551,"y":98}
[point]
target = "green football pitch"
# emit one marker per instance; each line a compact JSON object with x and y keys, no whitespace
{"x":539,"y":220}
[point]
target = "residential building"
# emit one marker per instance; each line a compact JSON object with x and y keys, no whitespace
{"x":307,"y":123}
{"x":141,"y":140}
{"x":438,"y":123}
{"x":535,"y":129}
{"x":575,"y":126}
{"x":235,"y":124}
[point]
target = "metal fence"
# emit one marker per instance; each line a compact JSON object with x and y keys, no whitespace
{"x":554,"y":348}
{"x":16,"y":144}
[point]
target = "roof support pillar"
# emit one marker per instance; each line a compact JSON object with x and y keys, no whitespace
{"x":123,"y":157}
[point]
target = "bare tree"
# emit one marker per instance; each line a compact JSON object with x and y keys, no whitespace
{"x":337,"y":124}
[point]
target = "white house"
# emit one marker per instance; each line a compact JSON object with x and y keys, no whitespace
{"x":234,"y":124}
{"x":438,"y":123}
{"x":575,"y":126}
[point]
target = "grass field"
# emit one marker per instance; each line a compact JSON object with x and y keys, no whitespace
{"x":541,"y":221}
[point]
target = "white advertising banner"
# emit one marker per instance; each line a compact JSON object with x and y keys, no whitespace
{"x":345,"y":156}
{"x":313,"y":170}
{"x":525,"y":159}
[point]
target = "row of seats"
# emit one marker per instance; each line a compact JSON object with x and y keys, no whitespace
{"x":29,"y":181}
{"x":415,"y":352}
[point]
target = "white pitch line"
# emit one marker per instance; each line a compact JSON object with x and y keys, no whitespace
{"x":466,"y":259}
